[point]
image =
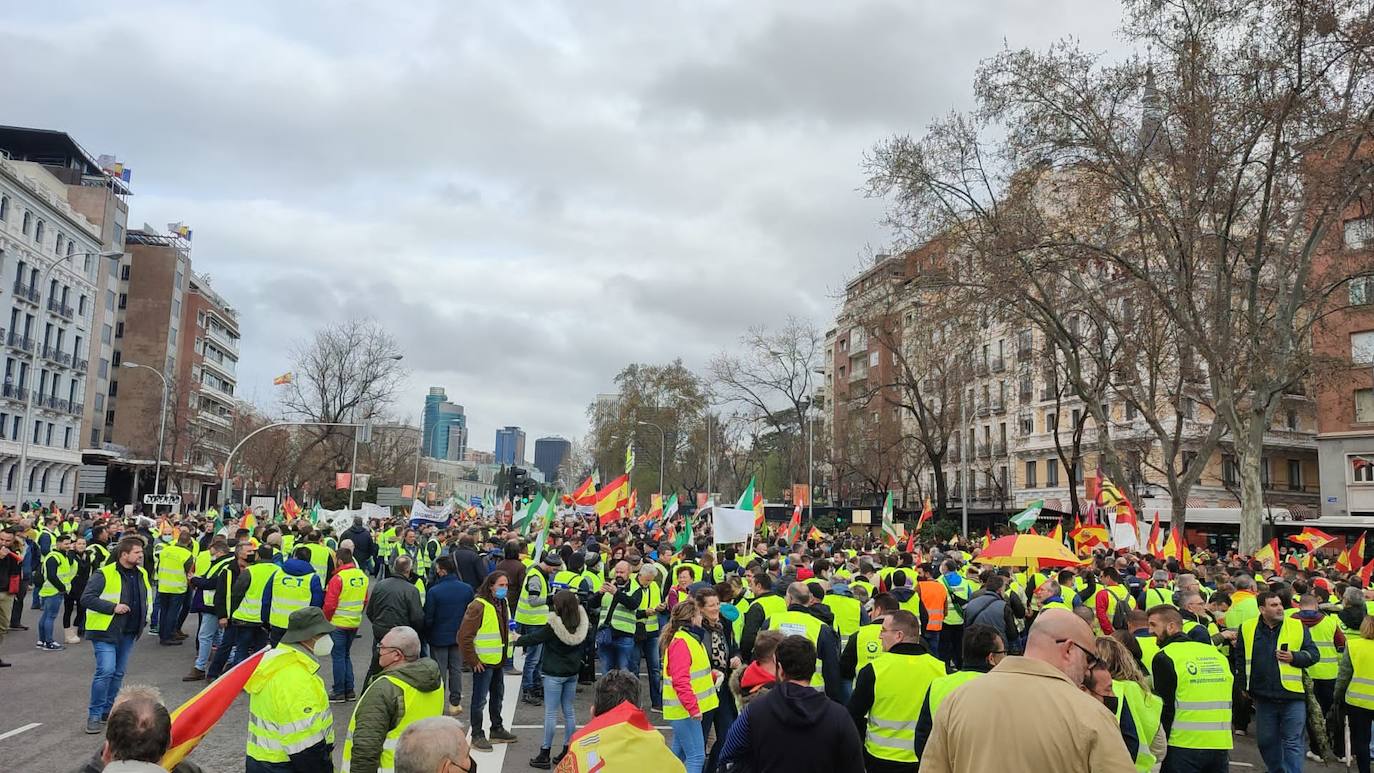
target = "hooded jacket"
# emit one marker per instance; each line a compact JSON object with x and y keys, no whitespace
{"x":794,"y":727}
{"x":363,"y":546}
{"x":381,"y":707}
{"x":298,"y":568}
{"x":751,"y":683}
{"x":563,"y":648}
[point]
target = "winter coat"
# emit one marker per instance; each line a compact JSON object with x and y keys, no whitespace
{"x":563,"y":649}
{"x":750,"y":683}
{"x":392,"y":602}
{"x":363,"y":546}
{"x":445,"y":602}
{"x":472,"y":622}
{"x":472,"y":567}
{"x":794,"y":727}
{"x":381,"y":707}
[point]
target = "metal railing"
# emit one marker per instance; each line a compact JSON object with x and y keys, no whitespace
{"x":57,"y":306}
{"x":14,"y":392}
{"x":21,"y":342}
{"x":26,"y":292}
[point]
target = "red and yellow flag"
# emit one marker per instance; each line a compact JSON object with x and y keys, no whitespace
{"x":197,"y":716}
{"x":759,"y":510}
{"x":621,"y":739}
{"x":1058,"y":534}
{"x":1153,"y":546}
{"x":926,"y":512}
{"x":1366,"y":572}
{"x":815,"y":534}
{"x":794,"y":526}
{"x":1312,"y":538}
{"x":1269,"y":553}
{"x":610,"y":498}
{"x":1357,"y":552}
{"x":584,"y":495}
{"x":1177,"y":548}
{"x":290,"y":509}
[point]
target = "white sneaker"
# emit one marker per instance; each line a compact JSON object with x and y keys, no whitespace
{"x":1313,"y":757}
{"x":72,"y":638}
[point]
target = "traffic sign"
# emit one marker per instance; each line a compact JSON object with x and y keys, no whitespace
{"x":90,"y":479}
{"x":171,"y":500}
{"x":390,"y":496}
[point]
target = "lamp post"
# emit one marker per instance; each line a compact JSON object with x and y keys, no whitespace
{"x":662,"y":450}
{"x":162,"y":421}
{"x":229,"y":460}
{"x":33,"y":368}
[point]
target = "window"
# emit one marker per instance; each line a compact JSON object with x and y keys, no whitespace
{"x":43,"y":482}
{"x":38,"y":232}
{"x":109,"y":416}
{"x":1077,"y":418}
{"x":1051,"y":472}
{"x":4,"y":208}
{"x":106,"y":333}
{"x":1188,"y":458}
{"x":1051,"y":421}
{"x":124,"y":271}
{"x":109,"y":300}
{"x":1030,"y":474}
{"x":57,"y":245}
{"x":1264,"y":472}
{"x":104,"y":370}
{"x":99,"y":402}
{"x":1186,"y":407}
{"x":119,"y":330}
{"x":62,"y":481}
{"x":123,"y":300}
{"x":1130,"y":412}
{"x":81,"y":305}
{"x":118,"y":358}
{"x":28,"y":223}
{"x":1076,"y":470}
{"x":114,"y":389}
{"x":37,"y":433}
{"x":872,"y":356}
{"x":71,"y":250}
{"x":1362,"y":469}
{"x":1362,"y":347}
{"x":1295,"y":475}
{"x":47,"y":437}
{"x":1359,"y":233}
{"x":1027,"y":425}
{"x":14,"y":428}
{"x":1291,"y":421}
{"x":67,"y":437}
{"x":1361,"y":290}
{"x":1364,"y":406}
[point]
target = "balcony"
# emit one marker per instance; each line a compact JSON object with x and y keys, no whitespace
{"x":981,"y":367}
{"x":53,"y":354}
{"x":1023,"y":354}
{"x":999,"y":406}
{"x":221,"y":336}
{"x":998,"y":365}
{"x":58,"y":307}
{"x":215,"y":418}
{"x":999,"y":448}
{"x":80,"y":364}
{"x":26,"y":292}
{"x":1025,"y":395}
{"x":984,"y":410}
{"x":223,"y":365}
{"x":14,"y":392}
{"x":53,"y":403}
{"x":984,"y":450}
{"x":1047,"y":392}
{"x":20,"y":342}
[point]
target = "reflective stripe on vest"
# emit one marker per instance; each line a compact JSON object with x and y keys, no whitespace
{"x":250,"y":608}
{"x":217,"y":567}
{"x":1290,"y":633}
{"x":113,"y":592}
{"x":171,"y":569}
{"x":66,"y":572}
{"x":900,"y":683}
{"x":275,"y":741}
{"x":703,"y":685}
{"x":487,"y":642}
{"x":801,"y":624}
{"x":289,"y":593}
{"x":1324,"y":636}
{"x":348,"y":612}
{"x":416,"y":704}
{"x":1361,"y":690}
{"x":1202,"y":702}
{"x":534,"y":610}
{"x":620,"y":619}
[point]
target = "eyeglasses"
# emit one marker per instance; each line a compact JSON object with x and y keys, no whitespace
{"x":1093,"y":660}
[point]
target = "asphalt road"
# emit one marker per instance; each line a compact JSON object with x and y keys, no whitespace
{"x":44,"y":697}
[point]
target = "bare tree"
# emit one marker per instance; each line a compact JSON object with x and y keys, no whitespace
{"x":672,"y":399}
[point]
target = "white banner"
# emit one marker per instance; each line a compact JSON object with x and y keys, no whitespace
{"x":732,"y":525}
{"x":424,"y":513}
{"x":374,"y":510}
{"x":361,"y":481}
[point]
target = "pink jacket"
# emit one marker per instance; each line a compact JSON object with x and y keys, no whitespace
{"x":680,"y":671}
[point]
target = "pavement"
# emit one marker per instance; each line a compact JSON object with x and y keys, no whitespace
{"x":44,"y":697}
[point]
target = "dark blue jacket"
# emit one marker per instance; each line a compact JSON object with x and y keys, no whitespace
{"x":1264,"y":682}
{"x":445,"y":603}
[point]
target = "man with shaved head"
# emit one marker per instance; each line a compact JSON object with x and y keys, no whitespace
{"x":1037,"y":702}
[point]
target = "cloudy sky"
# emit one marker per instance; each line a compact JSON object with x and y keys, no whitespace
{"x":527,"y":194}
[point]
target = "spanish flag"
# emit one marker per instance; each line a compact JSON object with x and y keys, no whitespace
{"x":1269,"y":553}
{"x":194,"y":718}
{"x":584,"y":494}
{"x":610,"y":498}
{"x":620,"y":741}
{"x":285,"y":378}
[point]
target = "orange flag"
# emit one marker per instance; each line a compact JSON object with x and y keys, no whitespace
{"x":197,"y":716}
{"x":1153,"y":545}
{"x":1366,"y":572}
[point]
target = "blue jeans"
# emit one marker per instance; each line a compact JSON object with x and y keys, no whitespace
{"x":238,"y":643}
{"x":157,"y":609}
{"x":558,"y":693}
{"x":169,"y":606}
{"x":529,"y":677}
{"x":52,"y":607}
{"x":647,"y":651}
{"x":719,"y":718}
{"x":689,"y":743}
{"x":614,"y":651}
{"x":1279,"y":728}
{"x":342,"y":657}
{"x":207,"y":636}
{"x":489,"y":681}
{"x":111,"y":658}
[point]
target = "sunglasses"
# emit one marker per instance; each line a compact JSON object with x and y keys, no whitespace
{"x":1093,"y":660}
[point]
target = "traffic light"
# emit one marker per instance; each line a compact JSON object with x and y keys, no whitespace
{"x":519,"y":485}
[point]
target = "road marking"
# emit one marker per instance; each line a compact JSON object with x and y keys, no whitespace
{"x":29,"y":727}
{"x":497,"y":756}
{"x":560,"y":724}
{"x":1242,"y":765}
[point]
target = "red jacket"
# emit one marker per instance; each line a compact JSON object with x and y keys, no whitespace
{"x":331,"y":591}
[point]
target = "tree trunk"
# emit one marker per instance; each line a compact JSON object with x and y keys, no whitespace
{"x":1249,"y":447}
{"x":1177,"y":512}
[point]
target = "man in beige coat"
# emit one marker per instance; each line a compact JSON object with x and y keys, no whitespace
{"x":1030,"y":712}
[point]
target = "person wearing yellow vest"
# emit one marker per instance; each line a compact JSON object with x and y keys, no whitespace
{"x":250,"y":602}
{"x":407,"y":689}
{"x":689,"y":684}
{"x":290,"y":726}
{"x":118,"y":601}
{"x":618,"y":602}
{"x":646,"y":633}
{"x":961,"y":590}
{"x":1271,"y":652}
{"x":765,"y":604}
{"x":1108,"y":598}
{"x":59,"y":569}
{"x":866,"y":644}
{"x":800,"y":620}
{"x":1138,"y":710}
{"x":849,"y":612}
{"x":484,"y":636}
{"x":1355,"y":690}
{"x":345,"y":597}
{"x":1194,"y":682}
{"x":210,"y":564}
{"x":1049,"y":595}
{"x":888,"y":693}
{"x":174,"y":567}
{"x":1326,"y":634}
{"x":983,"y":650}
{"x":531,"y":612}
{"x":219,"y":596}
{"x":295,"y":586}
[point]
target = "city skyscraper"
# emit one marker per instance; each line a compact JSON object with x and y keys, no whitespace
{"x":510,"y":445}
{"x":445,"y":430}
{"x":549,"y":455}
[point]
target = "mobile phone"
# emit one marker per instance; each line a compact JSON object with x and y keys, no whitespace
{"x":1284,"y":647}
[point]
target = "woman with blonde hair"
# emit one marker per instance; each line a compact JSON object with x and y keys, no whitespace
{"x":1355,"y":690}
{"x":689,"y":683}
{"x":1132,"y":690}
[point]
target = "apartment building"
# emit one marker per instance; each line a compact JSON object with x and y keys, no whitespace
{"x":207,"y":367}
{"x":52,"y":252}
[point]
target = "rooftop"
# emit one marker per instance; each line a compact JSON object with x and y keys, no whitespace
{"x":50,"y":147}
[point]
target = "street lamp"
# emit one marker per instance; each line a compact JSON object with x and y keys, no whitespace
{"x":33,"y":368}
{"x":162,"y":422}
{"x":229,"y":460}
{"x":662,"y":448}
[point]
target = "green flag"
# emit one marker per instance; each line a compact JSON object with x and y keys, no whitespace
{"x":684,"y":537}
{"x":670,"y":508}
{"x":746,"y":500}
{"x":889,"y":526}
{"x":315,"y":514}
{"x":527,"y":517}
{"x":1026,"y":518}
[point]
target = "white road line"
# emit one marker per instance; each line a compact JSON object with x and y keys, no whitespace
{"x":496,"y":758}
{"x":23,"y":729}
{"x":559,"y":728}
{"x":1241,"y":765}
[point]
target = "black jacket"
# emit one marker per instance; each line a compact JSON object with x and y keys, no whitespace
{"x":563,"y":649}
{"x":472,"y":567}
{"x":132,"y":593}
{"x":1264,"y":683}
{"x":827,"y":647}
{"x":794,"y":728}
{"x":363,"y":546}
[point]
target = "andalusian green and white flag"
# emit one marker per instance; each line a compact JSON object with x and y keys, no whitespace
{"x":890,"y":535}
{"x":527,"y":515}
{"x":1026,"y":518}
{"x":670,"y":507}
{"x":746,"y":500}
{"x":629,"y":458}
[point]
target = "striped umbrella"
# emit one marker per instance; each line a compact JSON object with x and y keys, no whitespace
{"x":1027,"y":549}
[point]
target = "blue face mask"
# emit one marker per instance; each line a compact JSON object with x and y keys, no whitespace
{"x":499,"y":593}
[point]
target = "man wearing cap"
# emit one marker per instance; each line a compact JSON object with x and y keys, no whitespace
{"x":290,"y":727}
{"x":531,"y":614}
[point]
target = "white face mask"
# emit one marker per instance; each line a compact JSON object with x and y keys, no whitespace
{"x":323,"y":646}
